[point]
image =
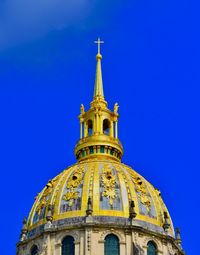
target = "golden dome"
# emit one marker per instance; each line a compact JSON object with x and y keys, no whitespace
{"x":99,"y":188}
{"x":110,"y":186}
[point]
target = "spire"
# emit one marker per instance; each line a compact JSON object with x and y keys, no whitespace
{"x":98,"y":86}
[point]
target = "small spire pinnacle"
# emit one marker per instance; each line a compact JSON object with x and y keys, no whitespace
{"x":98,"y":87}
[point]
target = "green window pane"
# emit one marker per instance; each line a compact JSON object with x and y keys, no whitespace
{"x":111,"y":245}
{"x":34,"y":250}
{"x":102,"y":149}
{"x":151,"y":249}
{"x":68,"y":246}
{"x":91,"y":150}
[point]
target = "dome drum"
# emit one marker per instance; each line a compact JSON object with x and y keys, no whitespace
{"x":91,"y":239}
{"x":98,"y":146}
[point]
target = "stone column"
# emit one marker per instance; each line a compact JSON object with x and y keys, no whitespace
{"x":81,"y":249}
{"x":49,"y":246}
{"x":58,"y":247}
{"x":100,"y":249}
{"x":123,"y":248}
{"x":85,"y":242}
{"x":129,"y":250}
{"x":77,"y":248}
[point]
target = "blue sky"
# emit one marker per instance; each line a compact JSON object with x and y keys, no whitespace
{"x":150,"y":67}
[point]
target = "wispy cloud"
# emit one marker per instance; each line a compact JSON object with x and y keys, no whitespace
{"x":23,"y":20}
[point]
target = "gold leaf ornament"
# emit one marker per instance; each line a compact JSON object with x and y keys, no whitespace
{"x":142,"y":192}
{"x":44,"y":200}
{"x":109,"y":183}
{"x":70,"y":196}
{"x":41,"y":205}
{"x":72,"y":185}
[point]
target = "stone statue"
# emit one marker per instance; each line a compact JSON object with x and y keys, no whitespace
{"x":116,"y":106}
{"x":136,"y":251}
{"x":82,"y":109}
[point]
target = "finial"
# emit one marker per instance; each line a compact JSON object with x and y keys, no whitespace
{"x":24,"y":221}
{"x":98,"y":87}
{"x":166,"y":223}
{"x":24,"y":230}
{"x":99,"y":42}
{"x":178,"y":237}
{"x":132,"y":214}
{"x":89,"y":207}
{"x":49,"y":216}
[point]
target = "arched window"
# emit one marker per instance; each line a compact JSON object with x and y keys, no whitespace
{"x":106,"y":127}
{"x":151,"y":248}
{"x":90,"y":127}
{"x":68,"y":246}
{"x":114,"y":129}
{"x":111,"y":245}
{"x":82,"y":130}
{"x":34,"y":250}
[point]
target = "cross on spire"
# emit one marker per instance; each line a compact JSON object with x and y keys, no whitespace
{"x":99,"y":42}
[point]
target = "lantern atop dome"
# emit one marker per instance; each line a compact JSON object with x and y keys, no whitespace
{"x":99,"y":125}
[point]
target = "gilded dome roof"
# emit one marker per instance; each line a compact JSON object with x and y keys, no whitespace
{"x":110,"y":185}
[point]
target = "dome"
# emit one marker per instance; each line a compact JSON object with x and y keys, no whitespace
{"x":99,"y":202}
{"x":110,"y":186}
